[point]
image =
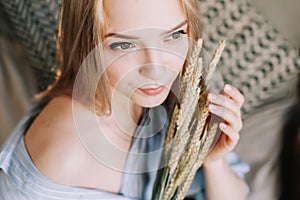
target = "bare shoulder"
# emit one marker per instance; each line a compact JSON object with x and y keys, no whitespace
{"x":57,"y":152}
{"x":53,"y":143}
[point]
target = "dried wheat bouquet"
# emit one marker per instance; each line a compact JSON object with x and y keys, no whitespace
{"x":189,"y":136}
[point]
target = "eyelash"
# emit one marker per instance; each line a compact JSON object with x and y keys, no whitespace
{"x":118,"y":45}
{"x":181,"y":32}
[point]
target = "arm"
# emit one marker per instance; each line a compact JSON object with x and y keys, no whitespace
{"x":221,"y":182}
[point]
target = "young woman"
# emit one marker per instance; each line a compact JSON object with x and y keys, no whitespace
{"x":83,"y":139}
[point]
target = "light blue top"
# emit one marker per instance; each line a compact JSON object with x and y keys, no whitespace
{"x":20,"y":179}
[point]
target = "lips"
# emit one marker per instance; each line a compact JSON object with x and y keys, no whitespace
{"x":152,"y":91}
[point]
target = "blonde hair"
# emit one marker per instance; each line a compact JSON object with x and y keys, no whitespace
{"x":81,"y":29}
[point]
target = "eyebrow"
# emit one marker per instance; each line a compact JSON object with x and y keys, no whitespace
{"x":129,"y":37}
{"x":174,"y":28}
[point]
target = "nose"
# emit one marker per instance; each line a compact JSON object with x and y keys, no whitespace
{"x":152,"y":67}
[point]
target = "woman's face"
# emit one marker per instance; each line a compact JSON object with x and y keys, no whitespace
{"x":145,"y":48}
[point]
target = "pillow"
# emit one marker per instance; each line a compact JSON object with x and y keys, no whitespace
{"x":257,"y":59}
{"x":35,"y":24}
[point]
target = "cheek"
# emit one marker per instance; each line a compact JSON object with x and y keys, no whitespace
{"x":124,"y":67}
{"x":115,"y":74}
{"x":120,"y":72}
{"x":112,"y":76}
{"x":178,"y":56}
{"x":175,"y":62}
{"x":178,"y":63}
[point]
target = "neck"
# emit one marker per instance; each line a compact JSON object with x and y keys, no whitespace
{"x":122,"y":122}
{"x":125,"y":112}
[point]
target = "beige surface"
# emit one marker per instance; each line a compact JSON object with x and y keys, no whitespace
{"x":284,"y":15}
{"x":259,"y":146}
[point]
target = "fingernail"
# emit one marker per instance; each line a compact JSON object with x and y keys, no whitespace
{"x":212,"y":107}
{"x":212,"y":96}
{"x":223,"y":126}
{"x":228,"y":87}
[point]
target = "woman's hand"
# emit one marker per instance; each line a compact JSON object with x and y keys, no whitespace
{"x":228,"y":107}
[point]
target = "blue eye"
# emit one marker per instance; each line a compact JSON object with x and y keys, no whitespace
{"x":121,"y":46}
{"x":176,"y":35}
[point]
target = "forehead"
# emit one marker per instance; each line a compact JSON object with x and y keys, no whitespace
{"x":127,"y":15}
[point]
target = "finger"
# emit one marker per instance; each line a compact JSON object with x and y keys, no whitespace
{"x":226,"y":102}
{"x":233,"y":136}
{"x":230,"y":117}
{"x":234,"y":94}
